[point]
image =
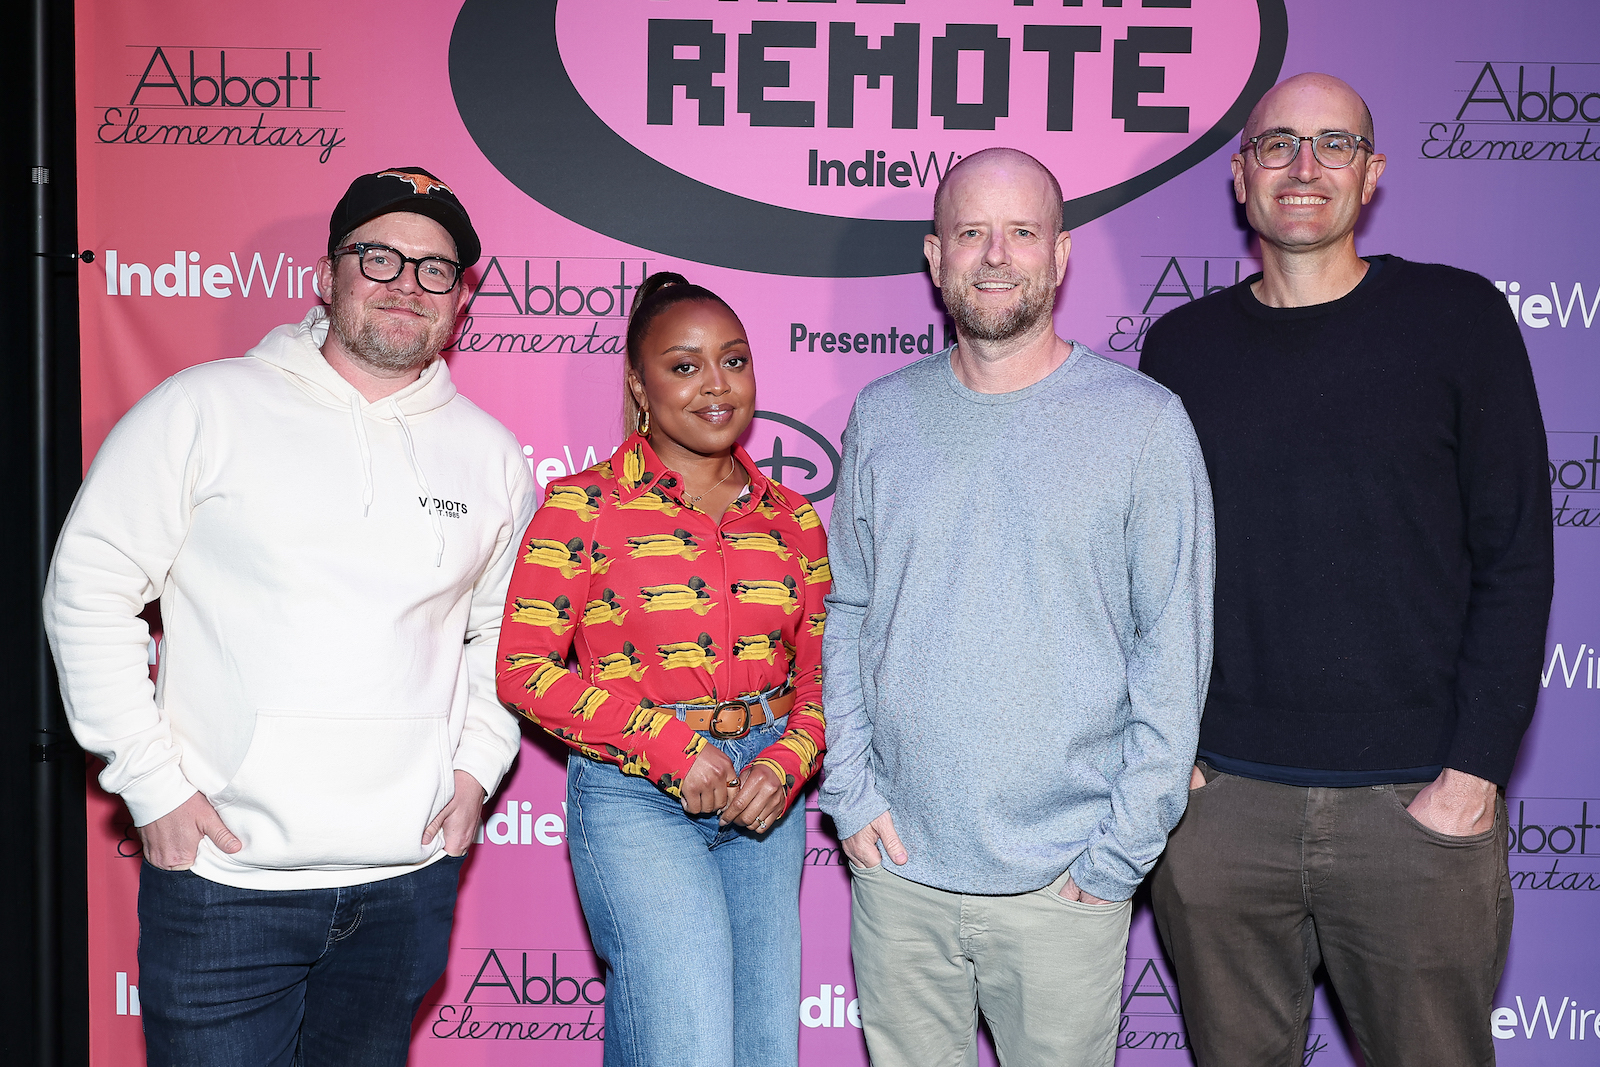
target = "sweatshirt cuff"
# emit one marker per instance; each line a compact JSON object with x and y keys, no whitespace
{"x":157,"y":794}
{"x":1100,"y":883}
{"x":483,"y":761}
{"x":851,"y":814}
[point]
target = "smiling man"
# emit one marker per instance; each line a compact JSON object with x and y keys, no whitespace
{"x":1018,"y":640}
{"x":329,"y":527}
{"x":1384,"y":574}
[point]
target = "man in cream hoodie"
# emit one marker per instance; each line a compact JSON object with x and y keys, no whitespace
{"x":329,"y":527}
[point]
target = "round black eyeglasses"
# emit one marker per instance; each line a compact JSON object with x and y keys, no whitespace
{"x":380,"y":263}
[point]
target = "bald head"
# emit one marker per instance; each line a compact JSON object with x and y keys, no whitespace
{"x":1330,"y":90}
{"x":991,"y":163}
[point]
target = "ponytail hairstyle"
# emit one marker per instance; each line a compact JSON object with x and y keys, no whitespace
{"x":658,"y":292}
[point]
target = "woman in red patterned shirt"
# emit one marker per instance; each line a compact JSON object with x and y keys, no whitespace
{"x":688,"y":588}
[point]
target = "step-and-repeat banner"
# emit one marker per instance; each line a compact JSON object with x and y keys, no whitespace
{"x":785,"y":154}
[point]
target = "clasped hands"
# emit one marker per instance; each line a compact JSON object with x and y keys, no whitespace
{"x":752,"y":797}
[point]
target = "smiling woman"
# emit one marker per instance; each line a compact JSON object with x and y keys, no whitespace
{"x":688,"y":586}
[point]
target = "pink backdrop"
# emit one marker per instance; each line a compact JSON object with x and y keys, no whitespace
{"x":214,"y":140}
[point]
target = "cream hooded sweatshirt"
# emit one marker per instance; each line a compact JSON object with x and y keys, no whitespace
{"x":332,"y":575}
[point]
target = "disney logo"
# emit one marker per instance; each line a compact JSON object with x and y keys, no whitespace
{"x":794,"y":446}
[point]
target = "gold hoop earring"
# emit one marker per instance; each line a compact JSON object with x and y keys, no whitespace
{"x":644,"y":424}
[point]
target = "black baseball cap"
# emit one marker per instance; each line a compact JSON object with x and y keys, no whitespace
{"x":405,"y":189}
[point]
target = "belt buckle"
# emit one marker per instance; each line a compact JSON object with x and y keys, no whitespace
{"x":716,"y":713}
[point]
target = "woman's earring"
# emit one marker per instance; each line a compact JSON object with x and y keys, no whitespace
{"x":644,"y":424}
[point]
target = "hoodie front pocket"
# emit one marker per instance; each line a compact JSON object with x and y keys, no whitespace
{"x":333,"y":791}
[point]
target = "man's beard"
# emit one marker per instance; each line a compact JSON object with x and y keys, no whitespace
{"x":378,"y":347}
{"x":999,"y":324}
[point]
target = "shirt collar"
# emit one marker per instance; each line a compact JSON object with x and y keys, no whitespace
{"x":639,"y":471}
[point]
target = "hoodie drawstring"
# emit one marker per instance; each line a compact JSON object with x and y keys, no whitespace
{"x":366,"y":453}
{"x":422,"y":480}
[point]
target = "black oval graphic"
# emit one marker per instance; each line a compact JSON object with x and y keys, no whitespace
{"x":521,"y":108}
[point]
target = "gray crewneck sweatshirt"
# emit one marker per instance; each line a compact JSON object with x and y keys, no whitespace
{"x":1019,"y":634}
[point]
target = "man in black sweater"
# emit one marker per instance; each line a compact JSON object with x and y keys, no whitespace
{"x":1384,"y":571}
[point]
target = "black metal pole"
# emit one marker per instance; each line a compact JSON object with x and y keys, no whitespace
{"x":47,"y":939}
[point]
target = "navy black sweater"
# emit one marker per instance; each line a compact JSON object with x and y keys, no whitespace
{"x":1384,"y":556}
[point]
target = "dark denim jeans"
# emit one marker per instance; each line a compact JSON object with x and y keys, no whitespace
{"x":291,"y":978}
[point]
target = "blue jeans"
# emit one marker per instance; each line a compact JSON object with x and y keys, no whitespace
{"x":699,"y":927}
{"x":289,"y":978}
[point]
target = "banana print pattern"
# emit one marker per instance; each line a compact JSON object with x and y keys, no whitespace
{"x":694,"y":595}
{"x":566,"y":558}
{"x":584,"y":502}
{"x":677,"y":543}
{"x":816,"y":570}
{"x":779,"y":594}
{"x":604,"y":610}
{"x":763,"y":647}
{"x":701,"y":653}
{"x":622,"y":664}
{"x":625,"y":598}
{"x":771,"y":541}
{"x":553,"y":614}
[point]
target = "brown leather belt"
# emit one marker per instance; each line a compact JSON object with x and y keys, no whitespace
{"x":729,"y":719}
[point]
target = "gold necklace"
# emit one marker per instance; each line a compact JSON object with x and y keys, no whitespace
{"x":694,"y":501}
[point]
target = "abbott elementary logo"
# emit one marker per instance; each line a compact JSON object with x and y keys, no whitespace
{"x":826,"y":129}
{"x":227,"y":97}
{"x":1520,"y":112}
{"x":1574,"y":480}
{"x":524,"y":995}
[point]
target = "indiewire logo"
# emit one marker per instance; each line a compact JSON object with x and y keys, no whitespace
{"x":875,"y":169}
{"x":127,"y":995}
{"x":1534,"y":309}
{"x":547,"y":470}
{"x":1580,"y":666}
{"x":184,"y":276}
{"x":1503,"y":1021}
{"x":517,"y":826}
{"x":829,"y":1008}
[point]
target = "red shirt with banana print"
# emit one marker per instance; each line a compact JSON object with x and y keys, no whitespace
{"x":664,"y":604}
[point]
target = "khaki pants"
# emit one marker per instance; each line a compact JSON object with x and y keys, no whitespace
{"x":1263,"y":882}
{"x":1045,"y":972}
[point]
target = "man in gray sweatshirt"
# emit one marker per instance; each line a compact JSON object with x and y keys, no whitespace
{"x":1017,"y":651}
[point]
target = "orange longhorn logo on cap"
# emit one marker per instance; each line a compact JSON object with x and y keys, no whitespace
{"x":420,"y":182}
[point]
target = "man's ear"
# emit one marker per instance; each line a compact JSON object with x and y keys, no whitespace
{"x":1237,"y":163}
{"x":324,"y":278}
{"x":932,"y":250}
{"x":1369,"y":181}
{"x":1063,"y":250}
